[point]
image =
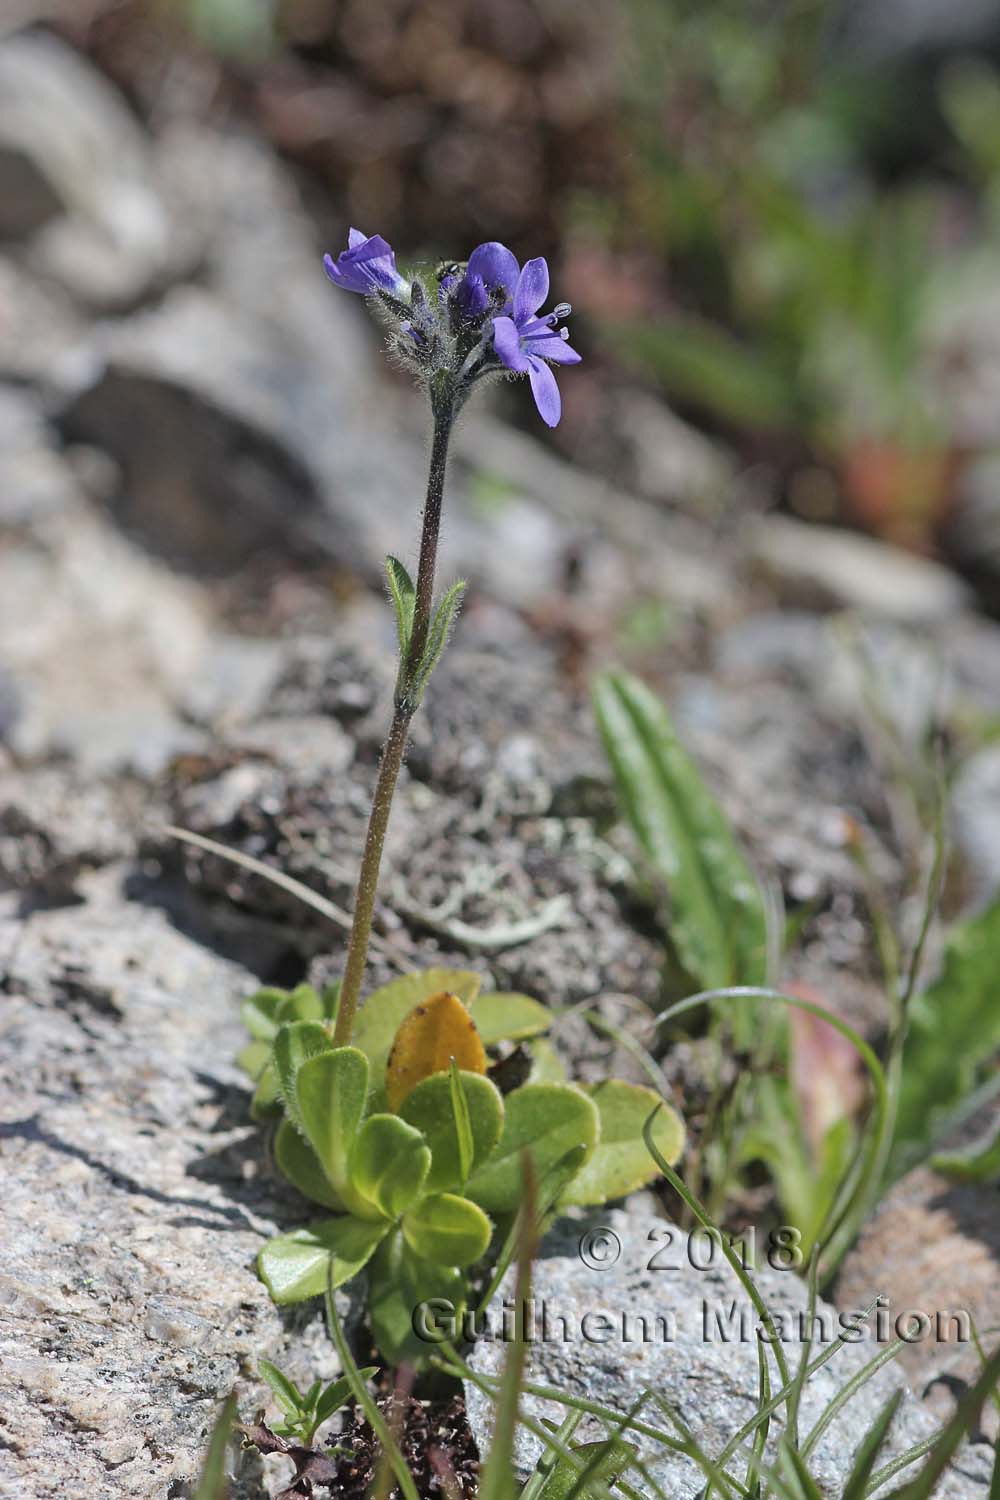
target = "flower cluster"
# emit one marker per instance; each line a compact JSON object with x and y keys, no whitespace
{"x":480,"y":318}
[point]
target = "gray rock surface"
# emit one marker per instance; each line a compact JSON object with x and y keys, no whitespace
{"x":78,"y":180}
{"x":136,"y":1194}
{"x":668,"y":460}
{"x":934,"y":1242}
{"x":845,"y":570}
{"x":610,"y":1348}
{"x":975,"y":814}
{"x":98,"y":637}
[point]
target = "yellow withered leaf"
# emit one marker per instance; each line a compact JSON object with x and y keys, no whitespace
{"x":437,"y":1030}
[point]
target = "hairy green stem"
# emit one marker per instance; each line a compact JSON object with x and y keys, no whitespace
{"x":395,"y":746}
{"x":431,"y":530}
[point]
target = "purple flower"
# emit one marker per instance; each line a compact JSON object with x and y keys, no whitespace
{"x":496,"y":267}
{"x":489,"y":280}
{"x":367,"y":266}
{"x":525,"y":342}
{"x":471,"y":297}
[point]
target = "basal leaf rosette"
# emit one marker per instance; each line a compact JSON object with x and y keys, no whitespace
{"x":409,"y":1143}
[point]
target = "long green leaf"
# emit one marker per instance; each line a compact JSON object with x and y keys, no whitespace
{"x":403,"y":598}
{"x":742,"y":1274}
{"x":213,"y":1483}
{"x":376,"y":1421}
{"x":437,"y":636}
{"x":330,"y":1094}
{"x":756,"y":1457}
{"x":953,"y":1030}
{"x":718,"y":920}
{"x":800,"y":1482}
{"x":294,"y":1045}
{"x":868,"y":1450}
{"x":943,"y":1446}
{"x":497,"y":1482}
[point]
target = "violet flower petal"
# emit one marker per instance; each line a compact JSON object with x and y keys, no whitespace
{"x":507,"y":343}
{"x":553,"y":348}
{"x":545,"y":391}
{"x":349,"y":278}
{"x":496,"y":265}
{"x":367,"y":266}
{"x":532,"y":289}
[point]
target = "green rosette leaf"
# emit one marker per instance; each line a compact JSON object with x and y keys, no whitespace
{"x":447,"y":1229}
{"x":331,"y":1089}
{"x":503,"y":1017}
{"x":299,"y":1163}
{"x":621,"y":1161}
{"x":294,"y":1045}
{"x":299,"y":1265}
{"x":430,"y":1108}
{"x":389,"y":1164}
{"x":545,"y":1119}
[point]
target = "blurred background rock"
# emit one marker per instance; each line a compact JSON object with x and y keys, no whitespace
{"x":780,"y":216}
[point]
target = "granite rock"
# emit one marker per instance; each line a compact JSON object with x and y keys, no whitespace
{"x":136,"y":1194}
{"x":610,"y":1347}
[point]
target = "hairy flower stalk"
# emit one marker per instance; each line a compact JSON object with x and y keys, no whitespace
{"x":395,"y":745}
{"x":476,"y":320}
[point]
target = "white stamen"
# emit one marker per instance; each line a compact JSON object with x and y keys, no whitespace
{"x":564,"y":334}
{"x":562,"y":309}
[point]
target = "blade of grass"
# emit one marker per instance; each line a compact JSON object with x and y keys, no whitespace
{"x":497,"y":1481}
{"x":455,"y":1365}
{"x":643,"y":1057}
{"x":798,"y":1384}
{"x":864,"y":1459}
{"x":842,"y":1230}
{"x":771,"y":1406}
{"x":611,"y":1447}
{"x":725,"y":1483}
{"x":802,"y":1485}
{"x":752,"y":1479}
{"x":847,"y":1390}
{"x":995,"y":1393}
{"x":942,"y":1445}
{"x":303,"y":893}
{"x":742,"y":1274}
{"x":547,"y":1462}
{"x":213,"y":1483}
{"x":360,"y":1392}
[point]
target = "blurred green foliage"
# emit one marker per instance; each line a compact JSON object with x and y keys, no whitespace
{"x":240,"y":30}
{"x":794,"y":293}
